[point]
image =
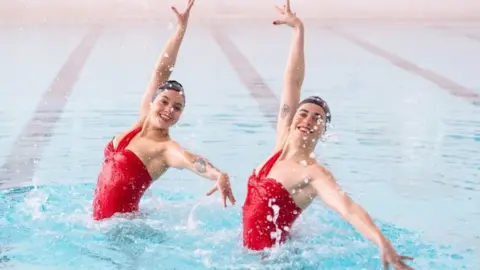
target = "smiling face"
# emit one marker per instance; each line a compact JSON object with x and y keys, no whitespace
{"x":308,"y":123}
{"x":166,"y":109}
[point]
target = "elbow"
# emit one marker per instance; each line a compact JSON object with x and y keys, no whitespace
{"x":350,"y":211}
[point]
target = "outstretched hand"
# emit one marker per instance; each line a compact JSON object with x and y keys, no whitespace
{"x":390,"y":256}
{"x":288,"y":17}
{"x":223,"y":185}
{"x":182,"y":17}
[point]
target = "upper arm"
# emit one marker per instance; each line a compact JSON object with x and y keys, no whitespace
{"x":330,"y":192}
{"x":178,"y":157}
{"x":288,"y":106}
{"x":157,"y":79}
{"x":292,"y":84}
{"x":146,"y":100}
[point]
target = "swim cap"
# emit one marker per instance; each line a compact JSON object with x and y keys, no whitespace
{"x":170,"y":85}
{"x":319,"y":102}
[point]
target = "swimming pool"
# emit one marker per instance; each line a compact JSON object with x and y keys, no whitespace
{"x":405,"y":148}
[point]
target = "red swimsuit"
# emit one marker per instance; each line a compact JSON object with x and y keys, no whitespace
{"x":122,"y":181}
{"x":269,"y":210}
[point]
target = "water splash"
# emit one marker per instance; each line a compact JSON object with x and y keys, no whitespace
{"x":277,"y":234}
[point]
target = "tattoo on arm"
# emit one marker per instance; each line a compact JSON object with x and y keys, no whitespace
{"x":285,"y":111}
{"x":200,"y":165}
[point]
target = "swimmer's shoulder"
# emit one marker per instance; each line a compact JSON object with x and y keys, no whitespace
{"x":172,"y":147}
{"x":318,"y":172}
{"x":176,"y":155}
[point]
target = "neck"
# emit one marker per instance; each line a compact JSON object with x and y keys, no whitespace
{"x":298,"y":149}
{"x":156,"y":134}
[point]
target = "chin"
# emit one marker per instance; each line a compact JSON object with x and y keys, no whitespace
{"x":303,"y":138}
{"x":159,"y":124}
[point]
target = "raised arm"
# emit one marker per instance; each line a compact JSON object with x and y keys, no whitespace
{"x":329,"y":192}
{"x":294,"y":73}
{"x":178,"y":157}
{"x":167,"y":59}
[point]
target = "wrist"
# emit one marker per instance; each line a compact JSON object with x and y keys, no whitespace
{"x":383,"y":242}
{"x":221,"y":176}
{"x":182,"y":27}
{"x":298,"y":25}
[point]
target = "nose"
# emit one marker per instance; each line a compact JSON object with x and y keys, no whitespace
{"x":308,"y":122}
{"x":168,"y":110}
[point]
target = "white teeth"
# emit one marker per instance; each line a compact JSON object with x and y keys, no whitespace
{"x":164,"y":118}
{"x":305,"y":130}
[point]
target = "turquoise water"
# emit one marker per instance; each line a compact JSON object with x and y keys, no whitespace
{"x":405,"y":149}
{"x":181,"y":231}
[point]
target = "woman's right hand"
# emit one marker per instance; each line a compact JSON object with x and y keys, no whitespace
{"x":182,"y":17}
{"x":288,"y":17}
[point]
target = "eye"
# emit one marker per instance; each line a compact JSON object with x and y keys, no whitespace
{"x":177,"y":108}
{"x":164,"y":102}
{"x":303,"y":114}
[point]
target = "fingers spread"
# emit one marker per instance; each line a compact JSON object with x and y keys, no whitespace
{"x":215,"y":188}
{"x":280,"y":10}
{"x":287,"y":6}
{"x":189,"y":5}
{"x":175,"y":11}
{"x":385,"y":264}
{"x":231,"y":198}
{"x":224,"y":199}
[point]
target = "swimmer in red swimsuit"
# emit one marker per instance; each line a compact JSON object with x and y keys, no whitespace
{"x":285,"y":185}
{"x":134,"y":159}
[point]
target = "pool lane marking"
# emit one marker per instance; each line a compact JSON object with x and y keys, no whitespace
{"x":253,"y":81}
{"x":457,"y":32}
{"x":26,"y":152}
{"x":450,"y":86}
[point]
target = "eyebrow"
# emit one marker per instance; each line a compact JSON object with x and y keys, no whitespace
{"x":316,"y":114}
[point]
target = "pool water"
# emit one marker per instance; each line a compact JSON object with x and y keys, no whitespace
{"x":404,"y":148}
{"x":180,"y":231}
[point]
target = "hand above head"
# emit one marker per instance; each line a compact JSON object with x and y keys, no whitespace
{"x":288,"y":17}
{"x":182,"y":17}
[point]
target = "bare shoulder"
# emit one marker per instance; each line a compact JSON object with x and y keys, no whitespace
{"x":176,"y":155}
{"x":319,"y":173}
{"x":174,"y":146}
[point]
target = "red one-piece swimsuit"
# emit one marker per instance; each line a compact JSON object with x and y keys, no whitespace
{"x":269,"y":211}
{"x":122,"y":181}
